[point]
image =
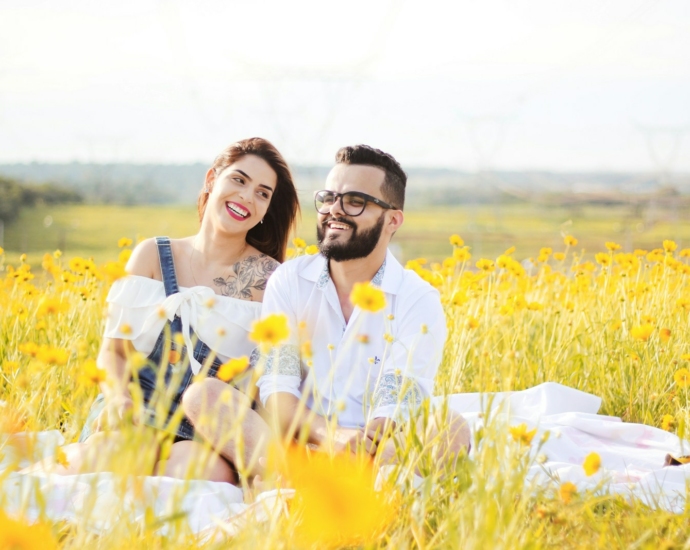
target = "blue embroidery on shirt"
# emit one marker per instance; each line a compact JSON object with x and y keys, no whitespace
{"x":283,"y":360}
{"x":394,"y":389}
{"x":325,"y":276}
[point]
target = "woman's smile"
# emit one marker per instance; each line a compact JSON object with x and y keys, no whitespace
{"x":237,"y":211}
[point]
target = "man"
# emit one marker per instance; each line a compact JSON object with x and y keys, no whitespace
{"x":347,"y":376}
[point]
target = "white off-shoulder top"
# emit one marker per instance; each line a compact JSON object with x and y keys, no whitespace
{"x":138,"y":310}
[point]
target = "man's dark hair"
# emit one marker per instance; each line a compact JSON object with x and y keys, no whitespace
{"x":393,"y":187}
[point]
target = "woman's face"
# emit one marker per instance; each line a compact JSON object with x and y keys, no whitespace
{"x":241,"y":193}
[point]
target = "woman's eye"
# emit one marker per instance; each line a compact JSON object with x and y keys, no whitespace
{"x":240,"y":180}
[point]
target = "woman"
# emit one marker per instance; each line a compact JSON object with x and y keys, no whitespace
{"x":211,"y":283}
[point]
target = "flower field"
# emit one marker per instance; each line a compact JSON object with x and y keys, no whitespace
{"x":615,"y":324}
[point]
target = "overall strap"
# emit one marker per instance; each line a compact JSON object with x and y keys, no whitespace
{"x":167,"y":265}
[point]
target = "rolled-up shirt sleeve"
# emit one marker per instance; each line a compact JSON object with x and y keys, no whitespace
{"x":415,"y":354}
{"x":282,"y":371}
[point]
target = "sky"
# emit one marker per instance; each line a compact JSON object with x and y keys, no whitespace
{"x":491,"y":85}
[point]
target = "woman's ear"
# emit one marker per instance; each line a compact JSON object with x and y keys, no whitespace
{"x":210,"y":179}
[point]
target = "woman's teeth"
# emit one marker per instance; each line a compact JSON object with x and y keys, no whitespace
{"x":237,"y":209}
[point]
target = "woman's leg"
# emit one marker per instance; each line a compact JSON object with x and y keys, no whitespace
{"x":223,"y":416}
{"x":79,"y":458}
{"x":193,"y":460}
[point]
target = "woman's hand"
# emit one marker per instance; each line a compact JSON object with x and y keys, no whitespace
{"x":114,"y":412}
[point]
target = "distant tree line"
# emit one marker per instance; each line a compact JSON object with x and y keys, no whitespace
{"x":15,"y":195}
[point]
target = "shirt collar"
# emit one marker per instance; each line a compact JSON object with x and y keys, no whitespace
{"x":388,"y":278}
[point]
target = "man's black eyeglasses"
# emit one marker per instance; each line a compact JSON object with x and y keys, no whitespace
{"x":353,"y":203}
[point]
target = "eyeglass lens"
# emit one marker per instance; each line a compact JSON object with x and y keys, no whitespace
{"x":351,"y":204}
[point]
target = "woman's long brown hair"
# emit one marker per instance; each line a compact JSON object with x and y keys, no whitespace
{"x":270,"y":237}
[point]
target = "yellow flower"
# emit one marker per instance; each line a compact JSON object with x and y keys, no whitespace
{"x":613,"y":246}
{"x":485,"y":265}
{"x":51,"y":306}
{"x":685,"y":357}
{"x":559,"y":256}
{"x":685,"y":253}
{"x":667,"y":422}
{"x":52,"y":356}
{"x":520,"y":434}
{"x":125,"y":329}
{"x":123,"y":242}
{"x":271,"y":330}
{"x":362,"y":338}
{"x":61,"y":457}
{"x":311,"y":249}
{"x":642,"y":332}
{"x":336,"y":500}
{"x":682,"y":377}
{"x":591,"y":464}
{"x":509,"y":251}
{"x":669,"y":246}
{"x":114,"y":271}
{"x":57,"y":254}
{"x":9,"y":367}
{"x":462,"y":254}
{"x":472,"y":322}
{"x":299,"y":243}
{"x":569,"y":240}
{"x":459,"y":298}
{"x":665,"y":334}
{"x":307,"y":352}
{"x":535,"y":306}
{"x":17,"y":535}
{"x":124,"y":256}
{"x":603,"y":258}
{"x":232,"y":368}
{"x":367,"y":297}
{"x":567,"y":491}
{"x":506,"y":309}
{"x":456,"y":240}
{"x":2,"y":250}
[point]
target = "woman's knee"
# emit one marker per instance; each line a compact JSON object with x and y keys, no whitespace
{"x":209,"y":395}
{"x":192,"y":460}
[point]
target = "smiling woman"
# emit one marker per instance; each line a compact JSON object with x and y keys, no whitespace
{"x":186,"y":303}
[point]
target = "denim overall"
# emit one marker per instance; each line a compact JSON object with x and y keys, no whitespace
{"x":148,"y":374}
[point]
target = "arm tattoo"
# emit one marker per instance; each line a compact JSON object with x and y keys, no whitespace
{"x":249,"y":274}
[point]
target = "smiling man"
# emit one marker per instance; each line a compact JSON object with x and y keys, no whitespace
{"x":346,"y":376}
{"x":363,"y":370}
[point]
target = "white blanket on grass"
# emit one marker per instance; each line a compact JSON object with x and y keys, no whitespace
{"x":632,"y":457}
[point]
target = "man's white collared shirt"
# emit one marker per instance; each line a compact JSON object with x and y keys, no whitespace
{"x":375,"y":365}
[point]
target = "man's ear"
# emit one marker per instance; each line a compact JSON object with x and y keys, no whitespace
{"x":395,"y":220}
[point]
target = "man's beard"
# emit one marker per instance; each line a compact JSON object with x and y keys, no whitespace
{"x":359,"y":245}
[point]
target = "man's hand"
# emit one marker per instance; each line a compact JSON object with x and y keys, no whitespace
{"x":350,"y":439}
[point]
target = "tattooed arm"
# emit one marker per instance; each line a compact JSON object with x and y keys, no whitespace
{"x":248,"y":278}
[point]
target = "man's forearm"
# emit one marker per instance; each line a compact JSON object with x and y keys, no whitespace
{"x":292,"y":417}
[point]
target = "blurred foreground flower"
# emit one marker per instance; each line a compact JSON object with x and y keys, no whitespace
{"x":520,"y":434}
{"x":335,"y":499}
{"x":367,"y":297}
{"x":233,"y":367}
{"x":591,"y":464}
{"x":567,"y":491}
{"x":270,"y":331}
{"x":17,"y":535}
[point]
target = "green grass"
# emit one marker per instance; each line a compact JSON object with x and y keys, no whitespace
{"x":93,"y":230}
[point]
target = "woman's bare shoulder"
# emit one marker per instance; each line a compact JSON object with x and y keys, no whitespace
{"x":144,"y":260}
